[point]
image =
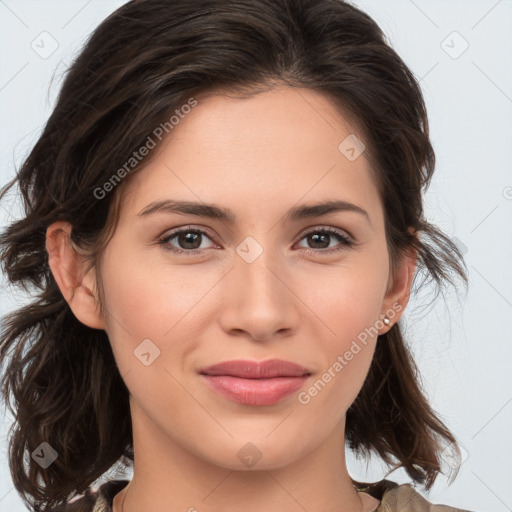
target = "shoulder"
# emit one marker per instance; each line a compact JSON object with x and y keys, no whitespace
{"x":393,"y":498}
{"x":403,"y":498}
{"x":99,"y":500}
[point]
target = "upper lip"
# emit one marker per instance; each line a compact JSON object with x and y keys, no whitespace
{"x":256,"y":369}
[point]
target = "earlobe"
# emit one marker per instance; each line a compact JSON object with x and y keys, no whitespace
{"x":69,"y":272}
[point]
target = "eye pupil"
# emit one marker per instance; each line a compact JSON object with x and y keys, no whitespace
{"x":316,"y":239}
{"x":189,"y":237}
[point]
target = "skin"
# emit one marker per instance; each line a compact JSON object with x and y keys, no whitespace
{"x":259,"y":157}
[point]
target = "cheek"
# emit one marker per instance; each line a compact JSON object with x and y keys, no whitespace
{"x":145,"y":299}
{"x":133,"y":300}
{"x":144,"y":305}
{"x":347,"y":300}
{"x":159,"y":302}
{"x":339,"y":381}
{"x":348,"y":303}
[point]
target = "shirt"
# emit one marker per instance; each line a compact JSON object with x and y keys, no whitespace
{"x":393,"y":498}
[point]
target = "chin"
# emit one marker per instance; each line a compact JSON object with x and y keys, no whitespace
{"x":255,"y":454}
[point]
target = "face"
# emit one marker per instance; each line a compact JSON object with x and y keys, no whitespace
{"x":185,"y":290}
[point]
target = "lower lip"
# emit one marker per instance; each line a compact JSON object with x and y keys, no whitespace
{"x":255,"y":391}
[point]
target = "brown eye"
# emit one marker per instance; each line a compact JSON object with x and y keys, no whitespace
{"x":188,"y":241}
{"x":320,"y":239}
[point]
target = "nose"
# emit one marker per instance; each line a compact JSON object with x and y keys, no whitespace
{"x":258,"y":300}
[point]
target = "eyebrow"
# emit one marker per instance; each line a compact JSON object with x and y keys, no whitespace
{"x":228,"y":216}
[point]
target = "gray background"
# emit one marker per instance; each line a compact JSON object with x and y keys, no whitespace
{"x":461,"y":52}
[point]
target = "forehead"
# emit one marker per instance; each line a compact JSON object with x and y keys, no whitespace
{"x":264,"y":151}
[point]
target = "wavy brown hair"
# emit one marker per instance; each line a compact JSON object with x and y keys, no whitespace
{"x":143,"y":62}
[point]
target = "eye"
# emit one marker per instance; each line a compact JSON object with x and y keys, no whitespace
{"x":323,"y":236}
{"x":188,"y":238}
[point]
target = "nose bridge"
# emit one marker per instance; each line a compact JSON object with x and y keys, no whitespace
{"x":256,"y":265}
{"x":257,"y":300}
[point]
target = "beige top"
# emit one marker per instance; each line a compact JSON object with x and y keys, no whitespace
{"x":393,"y":498}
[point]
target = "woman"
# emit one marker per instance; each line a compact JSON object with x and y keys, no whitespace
{"x":224,"y":220}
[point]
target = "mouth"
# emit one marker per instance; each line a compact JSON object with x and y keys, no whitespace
{"x":255,"y":383}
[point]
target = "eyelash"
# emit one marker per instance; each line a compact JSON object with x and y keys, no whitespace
{"x":346,"y":241}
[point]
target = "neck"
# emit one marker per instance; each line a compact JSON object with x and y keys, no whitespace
{"x":317,"y":481}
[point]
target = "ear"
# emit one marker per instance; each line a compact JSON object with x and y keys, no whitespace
{"x":68,"y":269}
{"x":399,"y":289}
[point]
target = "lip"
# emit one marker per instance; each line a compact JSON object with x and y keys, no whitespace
{"x":255,"y":383}
{"x":248,"y":369}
